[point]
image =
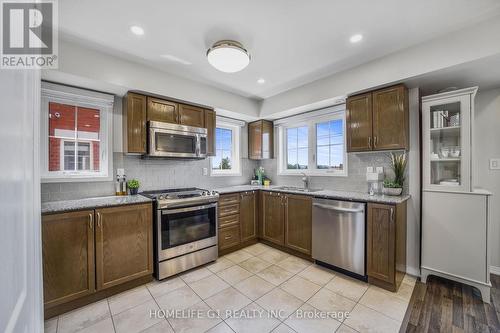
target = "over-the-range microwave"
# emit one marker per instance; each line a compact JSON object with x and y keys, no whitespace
{"x":176,"y":141}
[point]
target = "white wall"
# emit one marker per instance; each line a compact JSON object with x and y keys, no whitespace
{"x":487,"y":145}
{"x":453,"y":49}
{"x":88,"y":68}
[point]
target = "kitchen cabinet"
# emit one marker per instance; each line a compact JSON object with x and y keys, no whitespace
{"x":273,"y":228}
{"x":91,"y":254}
{"x":378,"y":120}
{"x":261,"y":140}
{"x":68,"y":256}
{"x":162,"y":110}
{"x":190,"y":115}
{"x":134,"y":123}
{"x":124,"y":244}
{"x":386,"y":245}
{"x":248,"y":215}
{"x":228,"y":211}
{"x":229,"y":237}
{"x":210,"y":125}
{"x":298,"y":223}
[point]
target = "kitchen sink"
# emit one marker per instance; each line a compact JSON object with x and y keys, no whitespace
{"x":299,"y":189}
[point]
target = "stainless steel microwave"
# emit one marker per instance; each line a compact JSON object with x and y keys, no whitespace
{"x":176,"y":141}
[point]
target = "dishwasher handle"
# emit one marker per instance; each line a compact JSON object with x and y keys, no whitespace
{"x":340,"y":209}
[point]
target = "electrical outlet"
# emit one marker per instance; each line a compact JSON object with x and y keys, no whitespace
{"x":369,"y":169}
{"x":205,"y":171}
{"x":494,"y":163}
{"x":380,"y":169}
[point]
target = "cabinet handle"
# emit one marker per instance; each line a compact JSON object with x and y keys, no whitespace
{"x":392,"y":214}
{"x":99,"y":224}
{"x":91,"y":221}
{"x":228,"y":237}
{"x":370,"y":142}
{"x":375,"y":142}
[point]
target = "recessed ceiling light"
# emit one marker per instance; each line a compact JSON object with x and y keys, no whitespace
{"x":137,"y":30}
{"x":356,"y":38}
{"x":261,"y":81}
{"x":228,"y":56}
{"x":175,"y":59}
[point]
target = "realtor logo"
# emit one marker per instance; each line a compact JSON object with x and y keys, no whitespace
{"x":29,"y":34}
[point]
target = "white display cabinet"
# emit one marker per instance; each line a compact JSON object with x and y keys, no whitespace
{"x":447,"y":121}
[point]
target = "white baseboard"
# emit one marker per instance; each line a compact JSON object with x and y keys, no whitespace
{"x":413,"y":271}
{"x":495,"y":270}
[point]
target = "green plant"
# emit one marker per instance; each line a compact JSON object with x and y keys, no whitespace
{"x":225,"y":163}
{"x":398,"y":165}
{"x":133,"y":183}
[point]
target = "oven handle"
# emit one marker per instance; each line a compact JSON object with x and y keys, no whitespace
{"x":187,"y":209}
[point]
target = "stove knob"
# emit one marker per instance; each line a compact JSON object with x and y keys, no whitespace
{"x":204,"y":193}
{"x":161,"y":197}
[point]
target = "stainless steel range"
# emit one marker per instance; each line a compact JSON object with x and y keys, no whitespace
{"x":185,"y":229}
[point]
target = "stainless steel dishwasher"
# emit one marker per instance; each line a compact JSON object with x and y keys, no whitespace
{"x":338,"y":234}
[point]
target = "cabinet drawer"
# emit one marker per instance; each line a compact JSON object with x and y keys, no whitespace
{"x":229,"y":237}
{"x":229,"y":199}
{"x":229,"y":210}
{"x":230,"y":220}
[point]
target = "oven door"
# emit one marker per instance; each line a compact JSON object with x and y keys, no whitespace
{"x":171,"y":143}
{"x":184,"y":230}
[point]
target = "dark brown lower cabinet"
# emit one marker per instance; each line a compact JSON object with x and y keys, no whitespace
{"x":68,"y":256}
{"x":124,"y":244}
{"x":386,"y":245}
{"x":248,"y":215}
{"x":85,"y":253}
{"x":298,"y":223}
{"x":273,"y":227}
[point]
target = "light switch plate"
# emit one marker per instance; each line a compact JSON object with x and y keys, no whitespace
{"x":205,"y":171}
{"x":494,"y":163}
{"x":380,"y":169}
{"x":369,"y":169}
{"x":120,"y":172}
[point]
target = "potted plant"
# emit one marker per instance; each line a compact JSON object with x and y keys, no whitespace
{"x":398,"y":165}
{"x":133,"y":186}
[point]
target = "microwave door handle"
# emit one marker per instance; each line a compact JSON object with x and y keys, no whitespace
{"x":198,"y":145}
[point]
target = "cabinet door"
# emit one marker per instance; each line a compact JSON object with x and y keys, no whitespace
{"x":359,"y":123}
{"x":191,"y":116}
{"x":124,"y":244}
{"x":210,"y":126}
{"x":298,"y":223}
{"x":390,"y":118}
{"x":68,"y":256}
{"x":381,"y":242}
{"x":267,"y":139}
{"x":255,"y":140}
{"x":162,"y":110}
{"x":273,"y":228}
{"x":248,"y":215}
{"x":135,"y":125}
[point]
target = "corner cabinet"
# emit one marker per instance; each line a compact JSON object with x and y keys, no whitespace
{"x":85,"y":253}
{"x":378,"y":120}
{"x":138,"y":109}
{"x":447,"y":120}
{"x":261,"y":140}
{"x":386,"y":245}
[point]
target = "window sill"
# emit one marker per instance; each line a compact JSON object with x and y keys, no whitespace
{"x":76,"y":179}
{"x":225,"y":174}
{"x":313,"y":173}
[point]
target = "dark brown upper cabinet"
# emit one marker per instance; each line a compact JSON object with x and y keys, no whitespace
{"x":261,"y":140}
{"x":162,"y":110}
{"x":378,"y":120}
{"x":210,"y":126}
{"x":134,"y":123}
{"x":191,"y":115}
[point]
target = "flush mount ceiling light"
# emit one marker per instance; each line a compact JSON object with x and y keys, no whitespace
{"x":228,"y":56}
{"x":356,"y":38}
{"x":137,"y":30}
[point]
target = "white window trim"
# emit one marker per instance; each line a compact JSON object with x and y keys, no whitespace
{"x":236,"y":166}
{"x":84,"y":98}
{"x":310,"y":120}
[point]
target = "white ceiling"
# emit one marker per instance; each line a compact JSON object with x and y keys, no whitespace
{"x":292,"y":42}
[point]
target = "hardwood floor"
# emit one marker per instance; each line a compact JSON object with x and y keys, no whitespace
{"x":446,"y":306}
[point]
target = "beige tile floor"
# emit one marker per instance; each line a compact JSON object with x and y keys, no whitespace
{"x":259,"y":280}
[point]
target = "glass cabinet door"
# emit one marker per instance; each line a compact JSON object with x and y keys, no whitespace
{"x":446,"y":146}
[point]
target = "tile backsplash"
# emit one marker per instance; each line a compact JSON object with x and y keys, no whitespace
{"x":162,"y":173}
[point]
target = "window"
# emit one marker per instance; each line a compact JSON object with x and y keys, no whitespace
{"x":313,"y":143}
{"x":227,"y":153}
{"x":75,"y":134}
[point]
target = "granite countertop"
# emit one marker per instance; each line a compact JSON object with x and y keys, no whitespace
{"x":330,"y":194}
{"x":90,"y":203}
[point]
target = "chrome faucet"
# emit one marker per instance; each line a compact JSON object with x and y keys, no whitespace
{"x":305,"y":180}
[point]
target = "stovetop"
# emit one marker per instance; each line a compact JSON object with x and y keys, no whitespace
{"x":181,"y":197}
